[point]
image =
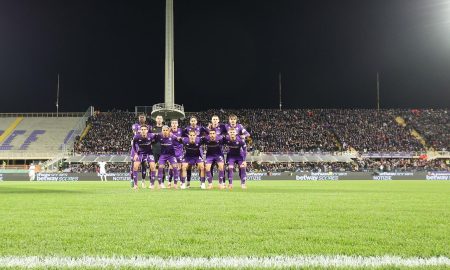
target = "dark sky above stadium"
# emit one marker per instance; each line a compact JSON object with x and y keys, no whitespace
{"x":228,"y":54}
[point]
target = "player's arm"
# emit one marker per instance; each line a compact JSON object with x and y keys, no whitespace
{"x":244,"y":132}
{"x":134,"y":149}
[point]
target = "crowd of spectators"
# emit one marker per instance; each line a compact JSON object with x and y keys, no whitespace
{"x":110,"y":133}
{"x":433,"y":125}
{"x":94,"y":168}
{"x":371,"y":130}
{"x":299,"y":130}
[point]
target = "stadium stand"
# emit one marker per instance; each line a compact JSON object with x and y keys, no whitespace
{"x":433,"y":124}
{"x":284,"y":131}
{"x":38,"y":136}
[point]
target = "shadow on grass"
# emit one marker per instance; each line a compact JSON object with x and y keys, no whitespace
{"x":16,"y":190}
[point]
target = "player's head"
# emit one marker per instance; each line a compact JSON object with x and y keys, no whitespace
{"x":193,"y":121}
{"x":142,"y":119}
{"x":192,"y":136}
{"x":136,"y":128}
{"x":232,"y":133}
{"x":174,"y":124}
{"x":215,"y":120}
{"x":232,"y":119}
{"x":159,"y":120}
{"x":165,"y":131}
{"x":144,"y":130}
{"x":212,"y":134}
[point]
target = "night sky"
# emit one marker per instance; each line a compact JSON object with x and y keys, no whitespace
{"x":228,"y":54}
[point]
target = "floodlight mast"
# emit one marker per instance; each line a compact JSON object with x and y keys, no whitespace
{"x":168,"y":109}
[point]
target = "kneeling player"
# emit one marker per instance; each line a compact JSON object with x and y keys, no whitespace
{"x":142,"y":144}
{"x":193,"y":156}
{"x":237,"y":152}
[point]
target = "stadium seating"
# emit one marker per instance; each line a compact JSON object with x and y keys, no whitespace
{"x":288,"y":131}
{"x":433,"y":124}
{"x":36,"y":137}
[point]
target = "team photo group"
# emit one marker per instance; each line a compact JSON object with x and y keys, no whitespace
{"x":156,"y":147}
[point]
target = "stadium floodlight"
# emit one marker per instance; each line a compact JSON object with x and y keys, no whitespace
{"x":169,"y":109}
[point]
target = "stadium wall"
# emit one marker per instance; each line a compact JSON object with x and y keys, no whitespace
{"x":250,"y":176}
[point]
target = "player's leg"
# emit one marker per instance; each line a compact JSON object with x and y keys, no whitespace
{"x":152,"y":167}
{"x":136,"y":166}
{"x":144,"y":166}
{"x":221,"y":167}
{"x":212,"y":167}
{"x":188,"y":176}
{"x":184,"y":167}
{"x":170,"y":176}
{"x":161,"y":166}
{"x":208,"y":174}
{"x":174,"y":164}
{"x":131,"y":173}
{"x":243,"y":175}
{"x":201,"y":169}
{"x":230,"y":162}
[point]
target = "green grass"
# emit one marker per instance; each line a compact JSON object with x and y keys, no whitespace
{"x":406,"y":218}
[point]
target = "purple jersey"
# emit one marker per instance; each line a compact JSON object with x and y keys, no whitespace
{"x":192,"y":149}
{"x":177,"y":145}
{"x":198,"y":130}
{"x":167,"y":144}
{"x":143,"y":145}
{"x":213,"y":147}
{"x":236,"y":148}
{"x":240,"y":130}
{"x":220,"y":129}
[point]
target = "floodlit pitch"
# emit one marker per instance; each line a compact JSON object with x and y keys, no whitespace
{"x":284,"y":223}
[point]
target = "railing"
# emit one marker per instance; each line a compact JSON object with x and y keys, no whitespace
{"x":44,"y":114}
{"x":163,"y":106}
{"x":26,"y":155}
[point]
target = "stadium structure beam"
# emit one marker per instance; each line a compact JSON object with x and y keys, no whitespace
{"x":169,"y":109}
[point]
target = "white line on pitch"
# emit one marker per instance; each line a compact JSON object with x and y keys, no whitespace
{"x":222,"y":262}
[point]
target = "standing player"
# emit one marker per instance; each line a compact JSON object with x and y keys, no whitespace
{"x":199,"y":131}
{"x":217,"y":126}
{"x":156,"y":146}
{"x":167,"y":140}
{"x":193,"y":156}
{"x":178,"y":146}
{"x":233,"y":124}
{"x":102,"y":172}
{"x":142,"y":120}
{"x":32,"y":172}
{"x":237,"y":153}
{"x":240,"y":130}
{"x":142,"y":144}
{"x":214,"y":153}
{"x":220,"y":130}
{"x":136,"y":128}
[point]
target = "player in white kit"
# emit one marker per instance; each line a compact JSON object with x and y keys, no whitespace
{"x":102,"y":173}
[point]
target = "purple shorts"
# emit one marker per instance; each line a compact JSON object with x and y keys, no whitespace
{"x":146,"y":157}
{"x":179,"y":158}
{"x":192,"y":160}
{"x":164,"y":158}
{"x":211,"y":159}
{"x":231,"y":160}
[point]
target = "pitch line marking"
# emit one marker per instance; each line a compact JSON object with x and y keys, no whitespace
{"x":222,"y":262}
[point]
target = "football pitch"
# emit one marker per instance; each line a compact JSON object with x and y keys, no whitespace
{"x":313,"y":224}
